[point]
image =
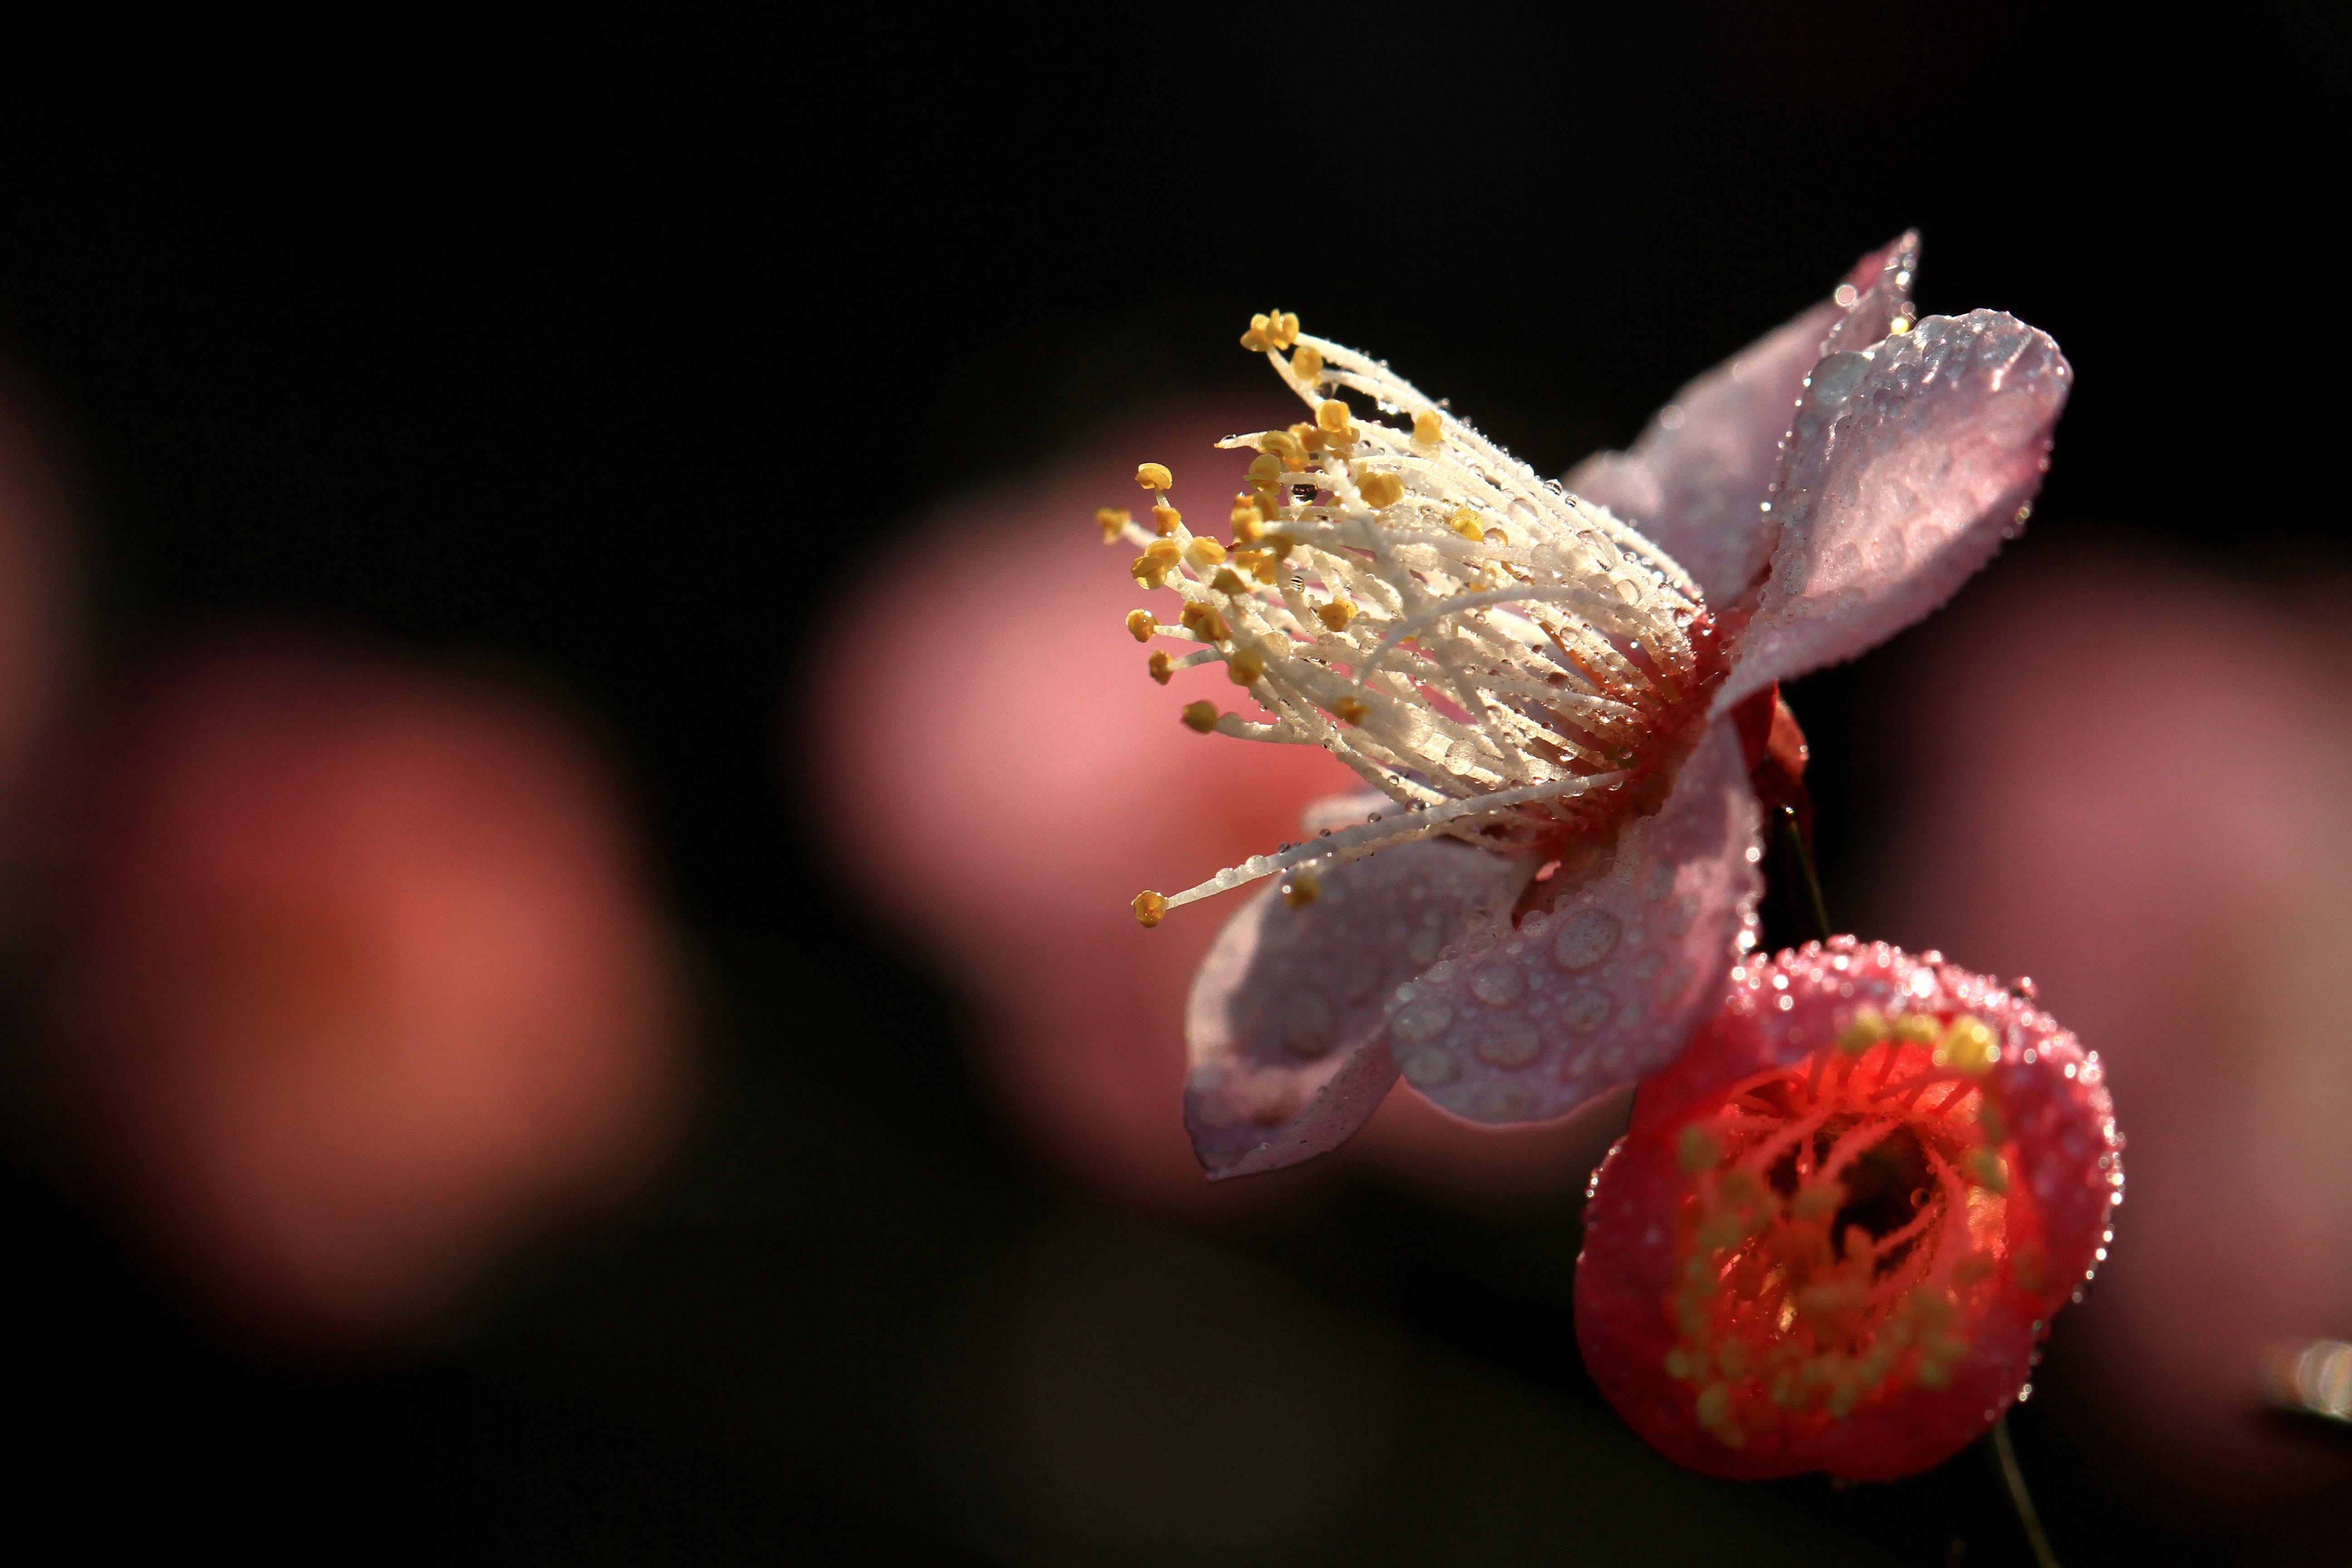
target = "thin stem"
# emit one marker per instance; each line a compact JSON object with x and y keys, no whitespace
{"x":2019,"y":1498}
{"x":1815,"y":905}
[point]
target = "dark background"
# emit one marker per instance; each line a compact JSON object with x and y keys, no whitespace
{"x":605,"y":354}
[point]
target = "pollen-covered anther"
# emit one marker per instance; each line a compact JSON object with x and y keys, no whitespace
{"x":1161,"y":667}
{"x":1199,"y":716}
{"x":1309,"y":438}
{"x":1203,"y":552}
{"x":1428,"y":428}
{"x":1112,"y":520}
{"x":1205,"y":622}
{"x":1306,"y":364}
{"x":1228,"y":581}
{"x":1274,"y":330}
{"x":1466,"y":523}
{"x":1247,"y":521}
{"x":1159,"y":559}
{"x":1380,"y":489}
{"x":1351,"y":710}
{"x":1140,"y":625}
{"x":1149,"y":908}
{"x":1336,"y":615}
{"x":1164,"y":519}
{"x":1969,"y":1047}
{"x":1154,"y":476}
{"x":1247,"y":667}
{"x":1331,"y":418}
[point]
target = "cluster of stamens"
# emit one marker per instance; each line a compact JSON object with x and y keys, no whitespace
{"x":1506,"y":661}
{"x":1847,"y":1214}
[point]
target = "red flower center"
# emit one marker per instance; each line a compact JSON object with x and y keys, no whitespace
{"x":1847,"y":1219}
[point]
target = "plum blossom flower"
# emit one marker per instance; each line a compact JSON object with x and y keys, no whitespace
{"x":1544,"y":698}
{"x":1840,"y":1222}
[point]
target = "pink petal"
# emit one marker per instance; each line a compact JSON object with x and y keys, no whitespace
{"x":1611,"y":984}
{"x":1697,"y":480}
{"x":1695,"y":486}
{"x":1909,"y":464}
{"x":1883,"y":282}
{"x":1284,"y":1016}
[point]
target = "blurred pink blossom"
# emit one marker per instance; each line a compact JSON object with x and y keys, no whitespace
{"x":2134,"y":781}
{"x":360,"y":979}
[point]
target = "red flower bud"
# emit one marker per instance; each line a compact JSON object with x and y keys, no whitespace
{"x":1839,"y":1225}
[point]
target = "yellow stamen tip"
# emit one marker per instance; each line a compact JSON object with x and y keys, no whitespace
{"x":1969,"y":1047}
{"x":1162,"y":667}
{"x":1246,"y":667}
{"x":1331,"y":418}
{"x":1228,"y":581}
{"x":1140,"y":624}
{"x":1164,"y":519}
{"x":1201,"y":716}
{"x":1149,"y":907}
{"x":1380,"y":489}
{"x":1351,"y":710}
{"x":1154,"y":476}
{"x":1306,"y":364}
{"x":1699,"y":1150}
{"x":1336,"y":615}
{"x":1427,"y":428}
{"x":1204,"y":553}
{"x":1868,"y":1029}
{"x":1112,"y":520}
{"x":1465,"y":524}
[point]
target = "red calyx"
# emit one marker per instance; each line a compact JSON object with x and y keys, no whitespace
{"x":1839,"y":1224}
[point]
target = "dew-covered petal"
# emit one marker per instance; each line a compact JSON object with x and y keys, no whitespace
{"x":1881,"y":282}
{"x":1528,"y":1025}
{"x":1694,"y":482}
{"x":1910,"y":462}
{"x":1285,"y":1017}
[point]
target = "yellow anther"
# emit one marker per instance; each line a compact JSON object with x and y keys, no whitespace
{"x":1112,"y":520}
{"x":1380,"y":489}
{"x":1204,"y":622}
{"x":1245,"y":666}
{"x":1245,"y":519}
{"x":1969,"y":1047}
{"x":1274,"y":330}
{"x":1265,"y":570}
{"x":1204,"y":552}
{"x":1164,"y":519}
{"x":1162,"y":667}
{"x":1699,"y":1149}
{"x":1331,"y":418}
{"x":1310,"y":439}
{"x":1140,"y":624}
{"x":1228,"y":581}
{"x":1201,"y":716}
{"x":1154,"y":476}
{"x":1159,"y":559}
{"x":1280,"y":544}
{"x":1149,"y":907}
{"x":1265,"y":471}
{"x":1868,"y":1029}
{"x":1336,"y":615}
{"x":1302,"y":889}
{"x":1306,"y":364}
{"x":1427,"y":428}
{"x":1465,"y":524}
{"x":1284,"y":444}
{"x":1351,"y":710}
{"x":1987,"y":1171}
{"x":1818,"y":1198}
{"x":1916,"y":1029}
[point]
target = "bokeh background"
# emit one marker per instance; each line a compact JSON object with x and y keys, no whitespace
{"x":557,"y":770}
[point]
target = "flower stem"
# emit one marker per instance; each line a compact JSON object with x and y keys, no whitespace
{"x":1815,"y":905}
{"x":2019,"y":1498}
